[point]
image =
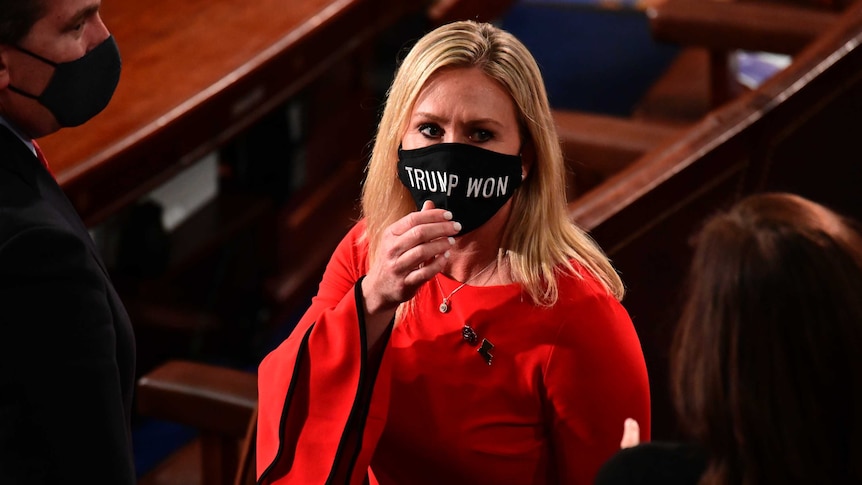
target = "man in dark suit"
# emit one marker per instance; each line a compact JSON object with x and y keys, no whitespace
{"x":67,"y":349}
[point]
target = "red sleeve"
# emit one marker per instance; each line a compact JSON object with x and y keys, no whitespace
{"x":595,"y":378}
{"x":318,"y":418}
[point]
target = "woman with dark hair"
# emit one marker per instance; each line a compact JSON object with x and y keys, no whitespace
{"x":765,"y":367}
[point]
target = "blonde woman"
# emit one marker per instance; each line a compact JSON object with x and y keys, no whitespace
{"x":465,"y":331}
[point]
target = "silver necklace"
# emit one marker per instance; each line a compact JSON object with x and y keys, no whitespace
{"x":444,"y":305}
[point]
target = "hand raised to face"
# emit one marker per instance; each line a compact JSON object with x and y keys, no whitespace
{"x":412,"y":250}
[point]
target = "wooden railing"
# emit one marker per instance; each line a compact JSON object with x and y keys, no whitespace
{"x":195,"y":74}
{"x":797,"y":132}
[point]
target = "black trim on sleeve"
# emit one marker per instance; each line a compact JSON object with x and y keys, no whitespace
{"x":351,"y":438}
{"x":359,"y":411}
{"x":303,"y":348}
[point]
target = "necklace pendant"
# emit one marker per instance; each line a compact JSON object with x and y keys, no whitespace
{"x":444,"y":306}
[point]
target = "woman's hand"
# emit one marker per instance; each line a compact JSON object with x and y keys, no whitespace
{"x":631,"y":434}
{"x":412,"y":251}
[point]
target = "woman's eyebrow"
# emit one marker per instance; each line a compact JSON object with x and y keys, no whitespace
{"x":472,"y":121}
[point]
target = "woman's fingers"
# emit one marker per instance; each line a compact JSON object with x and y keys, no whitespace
{"x":631,"y":434}
{"x":427,"y":259}
{"x":411,"y":252}
{"x":418,"y":239}
{"x":424,"y":225}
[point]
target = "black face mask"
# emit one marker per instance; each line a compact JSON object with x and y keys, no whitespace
{"x":471,"y":182}
{"x":79,"y":89}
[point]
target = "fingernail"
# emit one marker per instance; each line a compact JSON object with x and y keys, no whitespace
{"x":451,"y":240}
{"x":446,"y":255}
{"x":447,"y":215}
{"x":457,"y":226}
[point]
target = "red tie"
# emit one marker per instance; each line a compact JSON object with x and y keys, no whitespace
{"x":41,"y":157}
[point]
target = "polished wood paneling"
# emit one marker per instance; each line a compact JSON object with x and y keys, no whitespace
{"x":196,"y":73}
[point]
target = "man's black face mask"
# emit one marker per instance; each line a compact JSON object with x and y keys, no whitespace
{"x":79,"y":89}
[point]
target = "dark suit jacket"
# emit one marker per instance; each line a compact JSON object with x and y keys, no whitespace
{"x":67,"y":349}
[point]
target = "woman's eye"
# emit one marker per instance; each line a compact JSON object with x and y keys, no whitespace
{"x":482,"y":135}
{"x":430,"y":130}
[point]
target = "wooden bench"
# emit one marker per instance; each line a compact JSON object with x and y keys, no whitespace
{"x":221,"y":403}
{"x":703,"y":76}
{"x":195,"y":75}
{"x":700,"y":79}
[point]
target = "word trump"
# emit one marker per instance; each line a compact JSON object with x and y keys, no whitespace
{"x":436,"y":181}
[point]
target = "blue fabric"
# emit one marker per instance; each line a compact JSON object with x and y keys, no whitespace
{"x":593,"y":59}
{"x":153,"y":440}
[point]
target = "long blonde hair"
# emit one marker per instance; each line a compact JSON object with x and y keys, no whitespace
{"x":539,"y":239}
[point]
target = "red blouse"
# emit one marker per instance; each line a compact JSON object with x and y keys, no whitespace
{"x":549,"y":408}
